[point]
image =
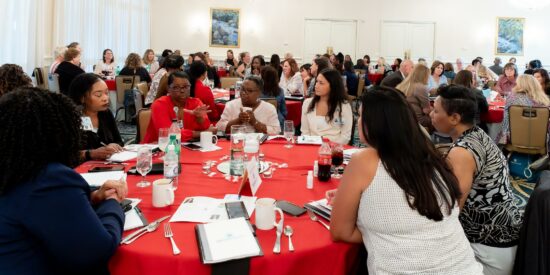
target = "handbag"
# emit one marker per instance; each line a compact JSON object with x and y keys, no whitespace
{"x":520,"y":166}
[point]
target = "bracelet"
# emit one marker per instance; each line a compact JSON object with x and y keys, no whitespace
{"x":88,"y":155}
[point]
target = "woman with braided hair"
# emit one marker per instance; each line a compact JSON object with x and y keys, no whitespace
{"x":51,"y":222}
{"x":12,"y":76}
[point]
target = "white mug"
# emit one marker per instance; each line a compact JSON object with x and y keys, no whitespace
{"x":163,"y":193}
{"x":265,"y":214}
{"x":208,"y":139}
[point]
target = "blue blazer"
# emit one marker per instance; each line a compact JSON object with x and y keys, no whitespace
{"x":48,"y":226}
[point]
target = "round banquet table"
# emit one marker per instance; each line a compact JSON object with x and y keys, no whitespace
{"x":293,"y":107}
{"x":495,"y":114}
{"x":375,"y":79}
{"x":315,"y":252}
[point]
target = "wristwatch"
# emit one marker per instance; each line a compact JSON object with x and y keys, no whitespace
{"x":88,"y":155}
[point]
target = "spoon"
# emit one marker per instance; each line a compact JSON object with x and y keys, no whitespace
{"x":288,"y":232}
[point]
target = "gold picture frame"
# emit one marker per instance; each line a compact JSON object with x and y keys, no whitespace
{"x":509,"y":36}
{"x":225,"y":28}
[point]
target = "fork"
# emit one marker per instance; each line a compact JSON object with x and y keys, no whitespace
{"x":168,"y":234}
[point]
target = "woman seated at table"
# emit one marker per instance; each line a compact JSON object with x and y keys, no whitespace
{"x":212,"y":75}
{"x":51,"y":222}
{"x":272,"y":90}
{"x":244,"y":63}
{"x":489,"y":215}
{"x":416,"y":90}
{"x":12,"y":76}
{"x":542,"y":77}
{"x":507,"y":81}
{"x":275,"y":62}
{"x":68,"y":69}
{"x":527,"y":92}
{"x":381,"y":67}
{"x":328,"y":113}
{"x":159,"y":86}
{"x":437,"y":78}
{"x":151,"y":65}
{"x":197,"y":74}
{"x":230,"y":60}
{"x":256,"y":66}
{"x":465,"y":78}
{"x":291,"y":80}
{"x":449,"y":71}
{"x":305,"y":74}
{"x":319,"y":64}
{"x":258,"y":115}
{"x":191,"y":110}
{"x":101,"y":138}
{"x":387,"y":180}
{"x":352,"y":80}
{"x":106,"y":67}
{"x":133,"y":66}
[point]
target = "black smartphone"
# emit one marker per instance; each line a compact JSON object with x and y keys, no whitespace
{"x":126,"y":205}
{"x":236,"y":209}
{"x":290,"y":208}
{"x":192,"y":146}
{"x":106,"y":168}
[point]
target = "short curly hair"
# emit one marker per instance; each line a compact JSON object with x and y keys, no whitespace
{"x":133,"y":61}
{"x":26,"y":113}
{"x":12,"y":76}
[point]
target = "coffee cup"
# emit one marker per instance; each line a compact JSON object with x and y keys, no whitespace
{"x":163,"y":193}
{"x":266,"y":212}
{"x":208,"y":139}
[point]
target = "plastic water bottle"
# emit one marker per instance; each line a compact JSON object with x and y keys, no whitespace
{"x":117,"y":71}
{"x":175,"y":131}
{"x":324,"y":162}
{"x":171,"y":163}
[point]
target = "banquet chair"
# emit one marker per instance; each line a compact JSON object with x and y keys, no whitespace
{"x":272,"y":101}
{"x":143,"y":119}
{"x":528,"y":130}
{"x":41,"y":78}
{"x":227,"y":82}
{"x":143,"y":88}
{"x":124,"y":83}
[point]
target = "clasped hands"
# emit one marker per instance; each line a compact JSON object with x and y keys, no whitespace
{"x":111,"y":189}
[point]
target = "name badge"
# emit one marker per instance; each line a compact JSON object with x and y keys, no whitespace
{"x":87,"y":123}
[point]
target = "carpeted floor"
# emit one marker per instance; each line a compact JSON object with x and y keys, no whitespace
{"x":522,"y":190}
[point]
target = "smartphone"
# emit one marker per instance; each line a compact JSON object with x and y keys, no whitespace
{"x":236,"y":209}
{"x":126,"y":205}
{"x":106,"y":168}
{"x":290,"y":208}
{"x":192,"y":146}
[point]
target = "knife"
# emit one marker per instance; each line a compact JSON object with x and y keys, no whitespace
{"x":137,"y":232}
{"x":277,"y":247}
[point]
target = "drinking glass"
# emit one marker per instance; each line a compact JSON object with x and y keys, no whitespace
{"x":144,"y":164}
{"x":288,"y":132}
{"x":337,"y":159}
{"x":163,"y":138}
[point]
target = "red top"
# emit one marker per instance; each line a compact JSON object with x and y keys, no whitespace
{"x":204,"y":93}
{"x":162,"y":113}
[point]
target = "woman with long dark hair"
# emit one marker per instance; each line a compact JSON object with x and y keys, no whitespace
{"x":275,"y":62}
{"x":328,"y":113}
{"x":542,"y":77}
{"x":399,"y":196}
{"x":273,"y":90}
{"x":197,"y":74}
{"x":51,"y":221}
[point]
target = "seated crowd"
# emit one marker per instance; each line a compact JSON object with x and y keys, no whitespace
{"x":457,"y":209}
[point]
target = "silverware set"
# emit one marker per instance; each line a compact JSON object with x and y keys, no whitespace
{"x":314,"y":218}
{"x":287,"y":231}
{"x":151,"y":228}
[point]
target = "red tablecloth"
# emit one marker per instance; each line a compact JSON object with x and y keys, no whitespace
{"x":375,"y":79}
{"x":315,"y":252}
{"x":294,"y":110}
{"x":222,"y":72}
{"x":111,"y":84}
{"x":495,"y":114}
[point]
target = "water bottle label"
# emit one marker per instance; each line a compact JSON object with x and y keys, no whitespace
{"x":170,"y":171}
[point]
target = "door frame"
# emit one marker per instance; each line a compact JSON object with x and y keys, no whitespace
{"x":331,"y":20}
{"x":382,"y":22}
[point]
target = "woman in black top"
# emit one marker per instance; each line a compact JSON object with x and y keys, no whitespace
{"x":230,"y":58}
{"x":101,"y":137}
{"x":542,"y":77}
{"x":68,"y":69}
{"x":133,"y":66}
{"x":465,"y":78}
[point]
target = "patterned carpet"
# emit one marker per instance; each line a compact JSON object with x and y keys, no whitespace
{"x":522,"y":190}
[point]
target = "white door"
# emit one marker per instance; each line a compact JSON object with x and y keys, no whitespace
{"x":417,"y":39}
{"x":321,"y":34}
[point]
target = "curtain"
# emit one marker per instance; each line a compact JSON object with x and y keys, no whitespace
{"x":120,"y":25}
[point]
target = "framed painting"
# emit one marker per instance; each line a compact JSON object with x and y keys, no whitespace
{"x":224,"y":28}
{"x":509,"y":38}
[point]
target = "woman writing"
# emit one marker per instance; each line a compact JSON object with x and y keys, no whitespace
{"x":328,"y":113}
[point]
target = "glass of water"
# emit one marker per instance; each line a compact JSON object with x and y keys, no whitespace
{"x":144,"y":165}
{"x":288,"y":132}
{"x":163,"y":138}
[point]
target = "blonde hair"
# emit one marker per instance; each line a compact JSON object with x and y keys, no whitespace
{"x":133,"y":61}
{"x":419,"y":75}
{"x":483,"y":72}
{"x":529,"y":85}
{"x":59,"y":51}
{"x":146,"y":57}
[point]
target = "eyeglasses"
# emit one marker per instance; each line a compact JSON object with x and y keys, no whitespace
{"x":180,"y":88}
{"x":247,"y":92}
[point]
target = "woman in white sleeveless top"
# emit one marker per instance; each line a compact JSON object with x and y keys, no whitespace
{"x":399,"y":197}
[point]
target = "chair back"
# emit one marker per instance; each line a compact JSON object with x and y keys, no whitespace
{"x":41,"y":77}
{"x":143,"y":88}
{"x":53,"y":83}
{"x":528,"y":129}
{"x":227,"y":82}
{"x":360,"y":86}
{"x":123,"y":83}
{"x":272,"y":101}
{"x":143,"y":119}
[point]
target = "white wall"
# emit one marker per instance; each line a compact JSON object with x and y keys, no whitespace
{"x":464,"y":28}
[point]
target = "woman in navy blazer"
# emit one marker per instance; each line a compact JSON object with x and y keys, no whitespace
{"x":51,"y":222}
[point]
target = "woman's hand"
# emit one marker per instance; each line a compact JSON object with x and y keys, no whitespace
{"x":244,"y":117}
{"x":105,"y":152}
{"x":111,"y":189}
{"x":201,"y":111}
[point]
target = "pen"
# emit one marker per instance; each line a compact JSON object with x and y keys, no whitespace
{"x":103,"y":143}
